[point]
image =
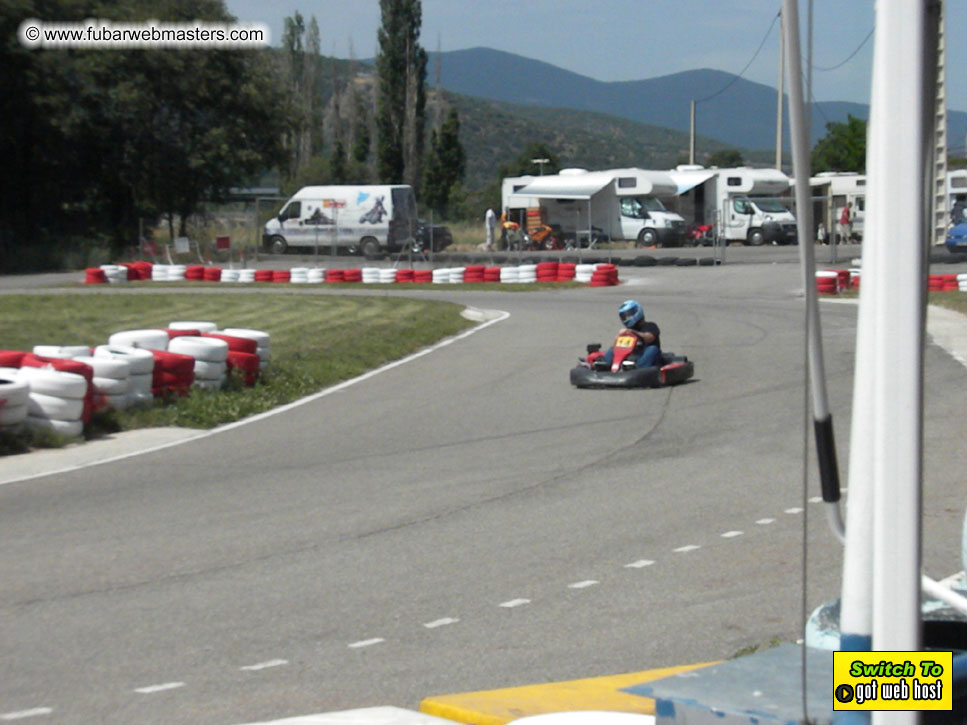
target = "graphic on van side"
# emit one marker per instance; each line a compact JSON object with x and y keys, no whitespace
{"x":375,"y":214}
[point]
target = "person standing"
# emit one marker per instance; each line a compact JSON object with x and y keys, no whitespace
{"x":490,"y":221}
{"x":846,"y":223}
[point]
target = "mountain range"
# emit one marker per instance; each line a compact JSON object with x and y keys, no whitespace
{"x":729,"y":109}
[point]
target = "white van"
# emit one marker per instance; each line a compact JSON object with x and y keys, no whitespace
{"x":370,"y":219}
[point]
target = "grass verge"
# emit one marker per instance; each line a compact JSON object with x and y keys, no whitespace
{"x":315,"y":342}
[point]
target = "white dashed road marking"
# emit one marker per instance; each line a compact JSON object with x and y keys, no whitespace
{"x":441,"y":622}
{"x":732,"y":534}
{"x":151,"y":689}
{"x":26,"y":713}
{"x":366,"y":642}
{"x":640,"y":564}
{"x":763,"y":522}
{"x":582,"y":585}
{"x":793,"y":511}
{"x":515,"y":603}
{"x":264,"y":665}
{"x":687,"y":548}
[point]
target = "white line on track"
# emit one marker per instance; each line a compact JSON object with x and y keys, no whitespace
{"x":366,"y":643}
{"x":151,"y":689}
{"x":264,"y":665}
{"x":731,"y":534}
{"x":816,"y":499}
{"x":515,"y":603}
{"x":582,"y":585}
{"x":685,"y":549}
{"x":20,"y":715}
{"x":441,"y":622}
{"x":794,"y":510}
{"x":765,"y":522}
{"x":640,"y":564}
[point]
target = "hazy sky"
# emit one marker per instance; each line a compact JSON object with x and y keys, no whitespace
{"x":619,"y":40}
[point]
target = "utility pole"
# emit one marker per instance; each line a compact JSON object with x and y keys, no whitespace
{"x":779,"y":102}
{"x":541,"y":163}
{"x":691,"y":143}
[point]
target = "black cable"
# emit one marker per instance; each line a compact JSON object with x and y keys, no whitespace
{"x":850,"y":56}
{"x":754,"y":56}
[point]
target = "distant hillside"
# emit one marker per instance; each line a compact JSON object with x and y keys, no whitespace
{"x":743,"y":115}
{"x":494,"y":133}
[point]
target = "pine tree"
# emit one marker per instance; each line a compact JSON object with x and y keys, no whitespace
{"x":446,"y":164}
{"x":401,"y":104}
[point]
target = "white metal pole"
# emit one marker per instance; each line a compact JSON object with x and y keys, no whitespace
{"x":895,"y":212}
{"x":782,"y":51}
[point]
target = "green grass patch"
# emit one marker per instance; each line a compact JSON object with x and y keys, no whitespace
{"x":952,"y":300}
{"x":316,"y":341}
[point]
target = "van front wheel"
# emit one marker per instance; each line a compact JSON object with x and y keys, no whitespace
{"x":647,"y":238}
{"x":756,"y":237}
{"x":369,"y":248}
{"x":278,"y":245}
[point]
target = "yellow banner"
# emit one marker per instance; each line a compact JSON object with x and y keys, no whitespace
{"x":892,"y":681}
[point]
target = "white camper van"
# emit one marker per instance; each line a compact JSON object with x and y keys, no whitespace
{"x":370,"y":219}
{"x":622,"y":203}
{"x":743,"y":203}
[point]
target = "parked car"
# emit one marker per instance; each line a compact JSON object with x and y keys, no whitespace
{"x":957,"y":238}
{"x":441,"y":235}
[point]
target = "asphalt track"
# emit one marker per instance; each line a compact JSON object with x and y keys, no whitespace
{"x":464,"y":522}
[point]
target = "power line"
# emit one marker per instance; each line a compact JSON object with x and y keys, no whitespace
{"x":850,"y":56}
{"x":742,"y":72}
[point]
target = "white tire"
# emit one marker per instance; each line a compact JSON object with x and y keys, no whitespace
{"x":205,"y":370}
{"x":72,"y":428}
{"x":193,"y":325}
{"x":210,"y":349}
{"x":140,"y":383}
{"x":159,"y":272}
{"x":107,"y":367}
{"x":53,"y":406}
{"x":246,"y":275}
{"x":65,"y":351}
{"x":146,"y":339}
{"x":13,"y":391}
{"x":46,"y":381}
{"x":140,"y":399}
{"x":112,"y":386}
{"x":119,"y":402}
{"x":13,"y":414}
{"x":140,"y":361}
{"x":208,"y":384}
{"x":229,"y":275}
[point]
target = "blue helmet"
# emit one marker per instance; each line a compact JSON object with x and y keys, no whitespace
{"x":631,"y":313}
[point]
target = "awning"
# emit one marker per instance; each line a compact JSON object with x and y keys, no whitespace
{"x":581,"y":186}
{"x":688,"y":180}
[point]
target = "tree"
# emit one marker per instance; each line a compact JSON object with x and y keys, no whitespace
{"x":96,"y":140}
{"x":401,"y":101}
{"x":726,"y":159}
{"x":445,"y":166}
{"x":843,"y":148}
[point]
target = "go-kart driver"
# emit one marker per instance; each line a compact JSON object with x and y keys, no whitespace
{"x":648,"y":348}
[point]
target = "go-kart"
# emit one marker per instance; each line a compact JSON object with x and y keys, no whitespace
{"x":623,"y":372}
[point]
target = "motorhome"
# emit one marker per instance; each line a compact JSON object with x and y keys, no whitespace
{"x":623,"y":204}
{"x":956,"y":192}
{"x":832,"y":191}
{"x":368,"y":219}
{"x":742,"y":204}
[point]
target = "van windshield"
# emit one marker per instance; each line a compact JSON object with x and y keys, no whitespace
{"x":773,"y":206}
{"x":637,"y":207}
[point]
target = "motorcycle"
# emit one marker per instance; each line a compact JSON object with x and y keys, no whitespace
{"x":701,"y":236}
{"x":595,"y":372}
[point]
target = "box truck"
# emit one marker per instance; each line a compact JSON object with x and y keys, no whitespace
{"x":742,"y":203}
{"x":367,"y":219}
{"x":622,"y":204}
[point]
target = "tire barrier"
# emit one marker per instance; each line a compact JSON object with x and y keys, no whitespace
{"x":943,"y":283}
{"x":199,"y":325}
{"x":604,"y":275}
{"x":260,"y":337}
{"x":210,"y":355}
{"x":115,"y":273}
{"x":541,"y":271}
{"x":173,"y":373}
